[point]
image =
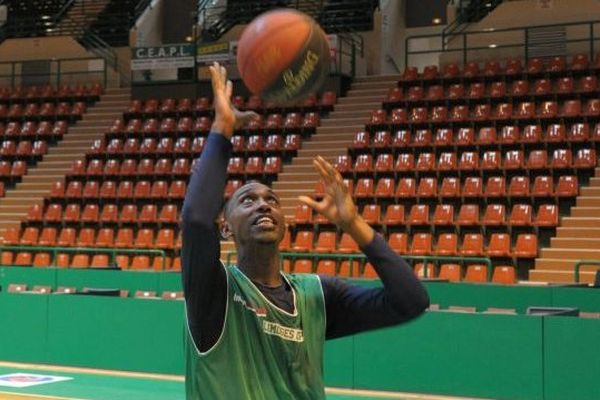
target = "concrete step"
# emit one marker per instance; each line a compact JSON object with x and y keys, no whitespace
{"x":364,"y":108}
{"x":381,"y":93}
{"x":18,"y":201}
{"x":594,"y":181}
{"x":566,"y":232}
{"x":377,"y":100}
{"x":307,"y":185}
{"x":327,"y":130}
{"x":559,"y":276}
{"x":587,"y":212}
{"x":359,"y":112}
{"x":23,"y":193}
{"x":378,"y":78}
{"x":355,"y":122}
{"x":307,"y":170}
{"x":43,"y":186}
{"x":575,"y":243}
{"x":580,"y":222}
{"x":32,"y":179}
{"x":372,"y":85}
{"x":50,"y":173}
{"x":588,"y":201}
{"x":555,"y":264}
{"x":590,"y":191}
{"x":573,"y":254}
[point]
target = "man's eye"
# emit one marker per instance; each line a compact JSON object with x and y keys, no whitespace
{"x":273,"y":200}
{"x":247,"y":200}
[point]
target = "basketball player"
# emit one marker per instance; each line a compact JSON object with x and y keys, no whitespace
{"x":254,"y":332}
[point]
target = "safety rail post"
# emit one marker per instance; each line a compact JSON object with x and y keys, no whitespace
{"x":591,"y":41}
{"x":464,"y":35}
{"x":526,"y":48}
{"x":58,"y":70}
{"x":578,"y":265}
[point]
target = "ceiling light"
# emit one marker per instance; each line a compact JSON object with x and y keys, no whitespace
{"x":436,"y":21}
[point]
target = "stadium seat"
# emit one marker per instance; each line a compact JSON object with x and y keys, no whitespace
{"x":326,"y":242}
{"x":420,"y":270}
{"x":538,"y":159}
{"x":494,"y":215}
{"x":421,"y":244}
{"x":495,"y":187}
{"x":347,"y":245}
{"x":468,"y":215}
{"x":398,"y":242}
{"x":66,"y":237}
{"x":476,"y":273}
{"x":419,"y":215}
{"x":450,"y":188}
{"x":526,"y":246}
{"x":303,"y":241}
{"x":86,"y":237}
{"x":450,"y":272}
{"x":547,"y":216}
{"x":144,"y":239}
{"x":443,"y":215}
{"x":504,"y":274}
{"x":385,"y":188}
{"x":124,"y":238}
{"x":499,"y":245}
{"x":447,"y":244}
{"x":394,"y":215}
{"x":326,"y":267}
{"x":303,"y":266}
{"x":521,"y":215}
{"x":47,"y":237}
{"x":473,"y":187}
{"x":542,"y":187}
{"x":30,"y":236}
{"x":519,"y":186}
{"x":371,"y":213}
{"x":364,"y":188}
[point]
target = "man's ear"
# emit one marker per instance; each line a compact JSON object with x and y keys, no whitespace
{"x":226,"y":231}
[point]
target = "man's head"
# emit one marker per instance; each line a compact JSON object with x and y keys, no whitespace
{"x":253,"y":215}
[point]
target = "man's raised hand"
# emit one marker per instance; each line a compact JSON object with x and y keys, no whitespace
{"x":227,"y":117}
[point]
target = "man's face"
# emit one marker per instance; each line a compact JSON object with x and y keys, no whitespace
{"x":255,"y":215}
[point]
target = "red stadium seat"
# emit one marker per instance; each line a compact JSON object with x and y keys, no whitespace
{"x":468,"y":215}
{"x":398,"y":242}
{"x":443,"y":215}
{"x":472,"y":245}
{"x":447,"y":244}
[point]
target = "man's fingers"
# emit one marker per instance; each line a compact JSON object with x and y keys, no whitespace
{"x":228,"y":89}
{"x":309,"y":202}
{"x":322,"y":171}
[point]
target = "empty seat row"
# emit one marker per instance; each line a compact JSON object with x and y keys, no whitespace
{"x":484,"y":112}
{"x":9,"y":170}
{"x":46,"y":110}
{"x":187,"y":146}
{"x":521,"y":215}
{"x":109,"y":214}
{"x":145,"y":238}
{"x":49,"y":91}
{"x":130,"y":167}
{"x":512,"y":66}
{"x":123,"y":190}
{"x":422,"y":244}
{"x":90,"y":260}
{"x":9,"y":149}
{"x":172,"y":106}
{"x":292,"y":122}
{"x":508,"y":135}
{"x":472,"y":187}
{"x":476,"y":273}
{"x":497,"y":89}
{"x":490,"y":160}
{"x":32,"y":130}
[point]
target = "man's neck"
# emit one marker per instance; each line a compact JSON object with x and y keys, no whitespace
{"x":260,"y":263}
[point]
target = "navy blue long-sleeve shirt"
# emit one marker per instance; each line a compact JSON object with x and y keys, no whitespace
{"x":349,"y":308}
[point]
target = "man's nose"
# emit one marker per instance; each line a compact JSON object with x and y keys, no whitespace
{"x":263,"y":204}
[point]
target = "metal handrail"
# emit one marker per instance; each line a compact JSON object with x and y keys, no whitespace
{"x":578,"y":265}
{"x":15,"y":72}
{"x":362,"y":259}
{"x":525,"y":44}
{"x":112,"y":251}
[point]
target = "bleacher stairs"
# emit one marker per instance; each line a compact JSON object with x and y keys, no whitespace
{"x":332,"y":138}
{"x":36,"y":184}
{"x":578,"y":238}
{"x":84,"y":12}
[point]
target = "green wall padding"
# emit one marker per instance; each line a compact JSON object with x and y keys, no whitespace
{"x":339,"y":362}
{"x":492,"y":356}
{"x":23,"y":327}
{"x":116,"y":333}
{"x":572,"y":358}
{"x":585,"y":299}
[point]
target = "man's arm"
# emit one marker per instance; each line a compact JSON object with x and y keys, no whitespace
{"x":353,"y":309}
{"x":204,"y":280}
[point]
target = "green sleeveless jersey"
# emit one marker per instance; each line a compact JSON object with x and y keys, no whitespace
{"x":263,"y":352}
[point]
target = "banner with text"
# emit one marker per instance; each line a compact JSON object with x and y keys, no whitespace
{"x":169,"y":56}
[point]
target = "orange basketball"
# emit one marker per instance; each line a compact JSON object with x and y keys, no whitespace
{"x":283,"y":55}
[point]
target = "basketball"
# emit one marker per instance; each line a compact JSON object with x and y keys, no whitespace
{"x":283,"y":55}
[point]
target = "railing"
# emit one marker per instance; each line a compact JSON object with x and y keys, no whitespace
{"x":487,"y":42}
{"x":113,"y":252}
{"x":362,"y":259}
{"x":467,"y":11}
{"x":580,"y":263}
{"x":11,"y":72}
